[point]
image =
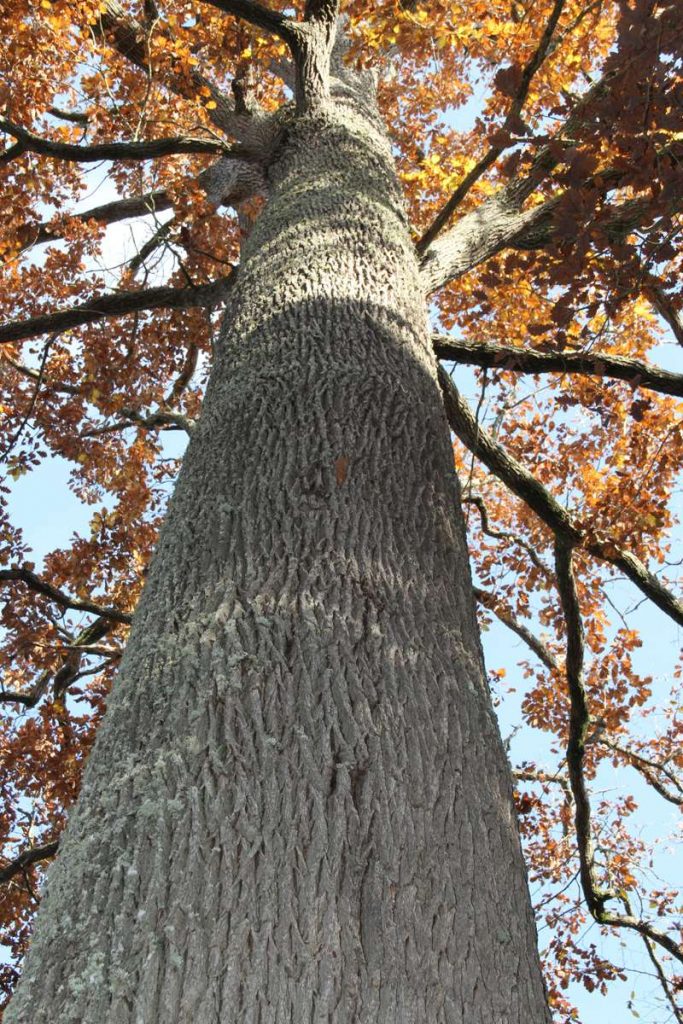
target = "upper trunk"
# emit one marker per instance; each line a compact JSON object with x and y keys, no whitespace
{"x":298,"y":808}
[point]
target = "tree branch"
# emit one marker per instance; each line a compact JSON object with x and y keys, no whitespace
{"x":31,"y":698}
{"x":521,"y":482}
{"x":146,"y":150}
{"x":542,"y":652}
{"x":478,"y":502}
{"x":496,"y":224}
{"x":519,"y":99}
{"x":126,"y":36}
{"x":108,"y":213}
{"x":524,"y":360}
{"x":648,"y":769}
{"x":117,"y":304}
{"x":579,"y":723}
{"x":33,"y":855}
{"x":11,"y":153}
{"x":664,"y":305}
{"x":39,"y":586}
{"x":155,"y":421}
{"x":262,"y":17}
{"x":654,"y":960}
{"x":545,"y":778}
{"x":322,"y":10}
{"x":74,"y":116}
{"x":224,"y":183}
{"x":500,"y":222}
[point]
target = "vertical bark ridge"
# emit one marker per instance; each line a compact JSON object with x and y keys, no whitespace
{"x":298,"y":807}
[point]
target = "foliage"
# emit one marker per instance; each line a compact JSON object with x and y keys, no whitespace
{"x":548,"y":226}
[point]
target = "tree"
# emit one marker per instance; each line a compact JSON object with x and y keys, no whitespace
{"x":298,"y":805}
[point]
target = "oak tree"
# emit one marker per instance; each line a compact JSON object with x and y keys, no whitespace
{"x":298,"y":805}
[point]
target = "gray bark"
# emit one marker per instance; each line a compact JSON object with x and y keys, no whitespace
{"x":298,"y":808}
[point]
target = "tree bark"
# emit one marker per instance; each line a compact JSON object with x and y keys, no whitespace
{"x":298,"y":807}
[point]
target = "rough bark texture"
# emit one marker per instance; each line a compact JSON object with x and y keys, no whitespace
{"x":298,"y":808}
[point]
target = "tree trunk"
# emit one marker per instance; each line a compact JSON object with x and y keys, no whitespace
{"x":298,"y":808}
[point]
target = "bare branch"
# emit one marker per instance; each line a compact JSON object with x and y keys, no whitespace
{"x":40,"y":586}
{"x":545,"y":778}
{"x":579,"y":722}
{"x":33,"y":855}
{"x":108,"y":213}
{"x":649,"y":770}
{"x":117,"y":304}
{"x":669,"y":994}
{"x":478,"y":502}
{"x":564,"y":525}
{"x":146,"y":150}
{"x":155,"y":421}
{"x":494,"y":605}
{"x":525,"y":360}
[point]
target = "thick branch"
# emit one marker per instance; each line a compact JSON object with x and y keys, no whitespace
{"x":322,"y":10}
{"x":73,"y":116}
{"x":127,"y":36}
{"x":500,"y":222}
{"x":664,"y":306}
{"x":117,"y":304}
{"x":12,"y":153}
{"x":33,"y":855}
{"x":524,"y":360}
{"x":579,"y":723}
{"x":521,"y":482}
{"x":478,"y":236}
{"x":30,"y":698}
{"x":155,"y":421}
{"x":500,"y":462}
{"x":40,"y":586}
{"x":262,"y":17}
{"x":108,"y":213}
{"x":225,"y":183}
{"x":147,"y":150}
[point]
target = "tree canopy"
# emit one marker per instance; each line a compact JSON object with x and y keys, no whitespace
{"x":540,"y":144}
